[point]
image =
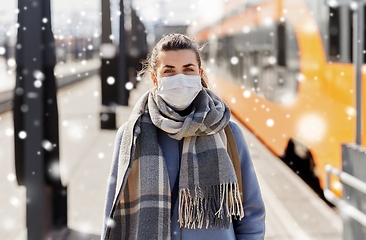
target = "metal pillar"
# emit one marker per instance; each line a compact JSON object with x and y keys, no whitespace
{"x":123,"y":78}
{"x":358,"y":43}
{"x":36,"y":121}
{"x":108,"y":73}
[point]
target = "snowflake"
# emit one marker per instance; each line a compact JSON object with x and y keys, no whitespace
{"x":234,"y":60}
{"x":246,"y":29}
{"x":100,"y":155}
{"x":14,"y":201}
{"x":111,"y":223}
{"x":104,"y":117}
{"x":47,"y":145}
{"x":37,"y":84}
{"x":272,"y":60}
{"x":246,"y":93}
{"x":54,"y":169}
{"x":22,"y":134}
{"x":270,"y":122}
{"x":111,"y":80}
{"x":129,"y":85}
{"x":11,"y":177}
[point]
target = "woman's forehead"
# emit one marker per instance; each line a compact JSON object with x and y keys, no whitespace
{"x":177,"y":57}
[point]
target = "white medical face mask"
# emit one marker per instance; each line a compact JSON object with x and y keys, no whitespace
{"x":179,"y":90}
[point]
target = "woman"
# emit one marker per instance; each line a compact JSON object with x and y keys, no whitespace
{"x":172,"y":176}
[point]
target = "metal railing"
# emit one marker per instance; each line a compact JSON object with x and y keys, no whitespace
{"x":341,"y":204}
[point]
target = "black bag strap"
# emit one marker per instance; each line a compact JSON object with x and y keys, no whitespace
{"x":232,"y":150}
{"x":176,"y":183}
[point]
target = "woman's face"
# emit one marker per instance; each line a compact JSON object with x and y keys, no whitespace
{"x":171,"y":63}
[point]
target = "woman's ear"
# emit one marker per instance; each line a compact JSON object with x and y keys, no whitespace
{"x":155,"y":81}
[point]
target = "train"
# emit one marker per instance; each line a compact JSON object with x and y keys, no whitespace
{"x":285,"y":69}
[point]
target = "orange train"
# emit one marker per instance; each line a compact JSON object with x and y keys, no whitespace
{"x":285,"y":69}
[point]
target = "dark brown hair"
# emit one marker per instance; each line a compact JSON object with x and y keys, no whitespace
{"x":173,"y":42}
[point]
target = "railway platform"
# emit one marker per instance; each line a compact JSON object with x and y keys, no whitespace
{"x":294,"y":211}
{"x":62,"y":69}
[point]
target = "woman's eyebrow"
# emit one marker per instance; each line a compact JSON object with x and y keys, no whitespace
{"x":169,"y":66}
{"x":188,"y":65}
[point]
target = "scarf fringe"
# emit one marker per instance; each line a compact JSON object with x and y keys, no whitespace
{"x":216,"y":204}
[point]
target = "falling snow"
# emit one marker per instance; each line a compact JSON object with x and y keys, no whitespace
{"x":246,"y":29}
{"x":247,"y":94}
{"x":47,"y":145}
{"x":54,"y":169}
{"x":111,"y":223}
{"x":22,"y":134}
{"x":129,"y":85}
{"x":37,"y":84}
{"x":14,"y":201}
{"x":234,"y":60}
{"x":100,"y":155}
{"x":270,"y":122}
{"x":272,"y":60}
{"x":111,"y":80}
{"x":11,"y":177}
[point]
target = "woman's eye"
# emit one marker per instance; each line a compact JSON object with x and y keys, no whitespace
{"x":167,"y":71}
{"x":189,"y":70}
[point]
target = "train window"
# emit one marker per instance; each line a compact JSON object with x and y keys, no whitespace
{"x":265,"y":60}
{"x":340,"y":35}
{"x":245,"y":67}
{"x":220,"y":53}
{"x":240,"y":72}
{"x":281,"y":65}
{"x":350,"y":43}
{"x":334,"y":35}
{"x":336,"y":29}
{"x":281,"y":44}
{"x":232,"y":58}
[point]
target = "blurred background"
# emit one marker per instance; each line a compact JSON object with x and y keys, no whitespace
{"x":290,"y":70}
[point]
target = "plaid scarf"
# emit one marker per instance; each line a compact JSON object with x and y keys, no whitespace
{"x":208,"y":187}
